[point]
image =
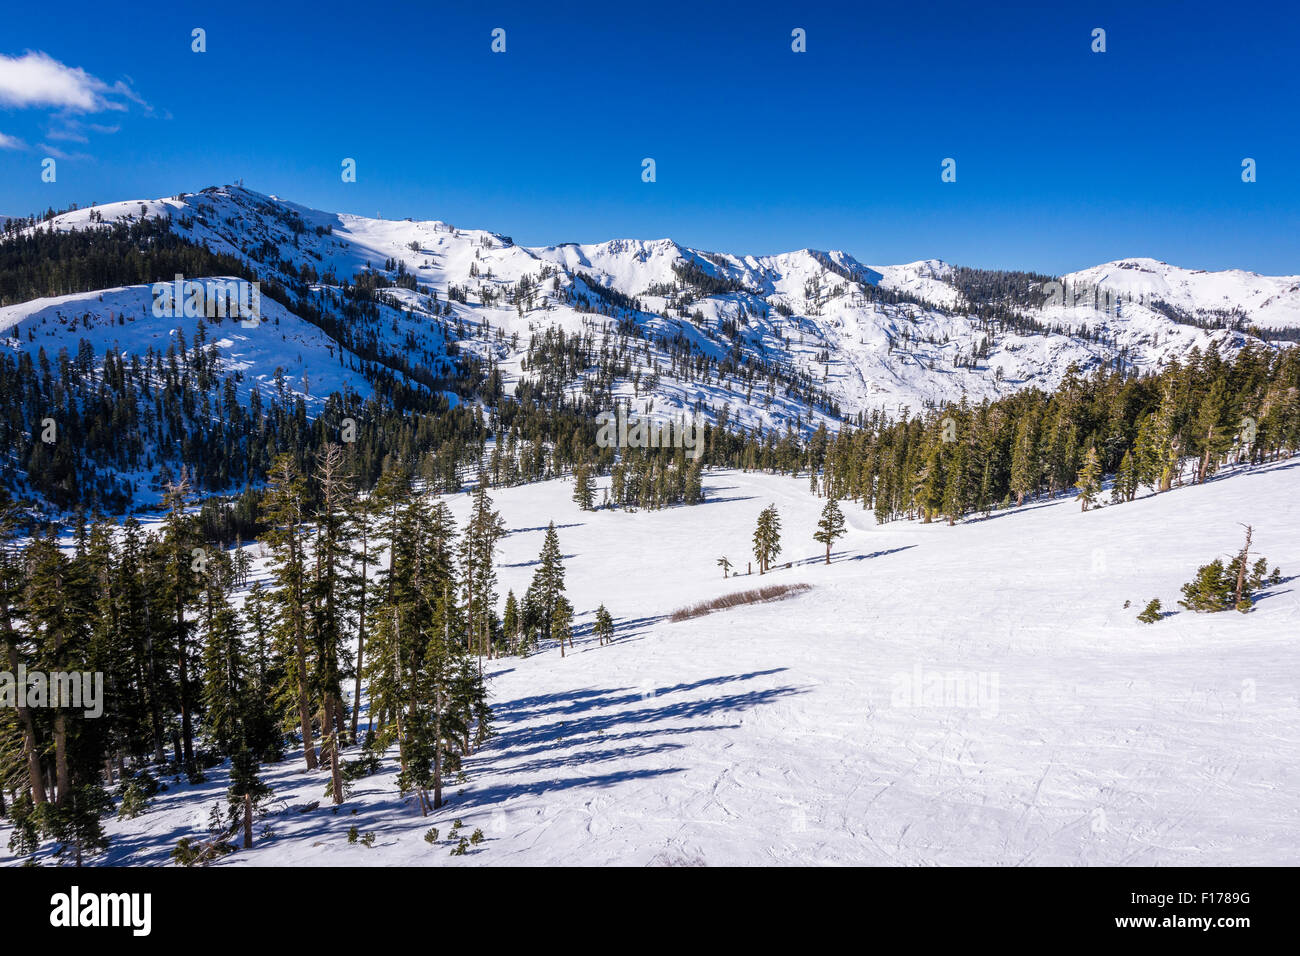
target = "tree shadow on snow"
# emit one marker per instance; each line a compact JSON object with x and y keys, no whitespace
{"x":558,"y":527}
{"x":598,"y":726}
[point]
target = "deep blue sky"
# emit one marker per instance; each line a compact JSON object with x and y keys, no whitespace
{"x":1065,"y":158}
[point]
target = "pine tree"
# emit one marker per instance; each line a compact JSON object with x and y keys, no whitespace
{"x":830,"y":526}
{"x":724,"y":563}
{"x":584,"y":489}
{"x":477,"y":562}
{"x":1159,"y":447}
{"x":767,"y":538}
{"x":562,"y":623}
{"x":327,"y":595}
{"x":57,"y":613}
{"x":1211,"y":589}
{"x":285,"y":508}
{"x":693,"y":489}
{"x":1152,"y":612}
{"x":604,"y":626}
{"x":1024,"y":474}
{"x":366,"y":552}
{"x":224,"y":666}
{"x":12,"y":646}
{"x":548,"y":584}
{"x":954,"y":486}
{"x":510,"y":622}
{"x":1089,"y":480}
{"x":1126,"y":479}
{"x":1213,"y":436}
{"x":247,"y":791}
{"x":929,"y":485}
{"x":182,"y":583}
{"x":264,"y":674}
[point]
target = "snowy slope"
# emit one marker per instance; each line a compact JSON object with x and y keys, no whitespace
{"x":807,"y":313}
{"x":789,"y":733}
{"x":280,"y":348}
{"x":1269,"y":302}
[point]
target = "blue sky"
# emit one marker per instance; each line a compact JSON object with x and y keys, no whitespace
{"x":1065,"y":157}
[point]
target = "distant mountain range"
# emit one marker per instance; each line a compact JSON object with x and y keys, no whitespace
{"x":789,"y":339}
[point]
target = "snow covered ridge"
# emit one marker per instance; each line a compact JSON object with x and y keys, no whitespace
{"x":842,"y":337}
{"x":278,"y":355}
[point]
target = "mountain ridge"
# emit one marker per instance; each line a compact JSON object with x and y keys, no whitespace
{"x":834,"y":336}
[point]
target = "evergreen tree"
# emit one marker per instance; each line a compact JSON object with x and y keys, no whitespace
{"x":1211,"y":590}
{"x":1126,"y":479}
{"x":247,"y":792}
{"x":1212,"y":433}
{"x":327,"y":593}
{"x":604,"y":626}
{"x":767,"y":538}
{"x":286,"y":509}
{"x":830,"y":527}
{"x":225,"y":692}
{"x":584,"y":489}
{"x":184,"y":561}
{"x":1152,"y":612}
{"x":1089,"y":480}
{"x":510,"y":623}
{"x":548,"y":585}
{"x":477,"y":561}
{"x":1024,"y":473}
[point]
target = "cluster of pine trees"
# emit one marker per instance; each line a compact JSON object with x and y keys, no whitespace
{"x":200,"y":667}
{"x":1179,"y":425}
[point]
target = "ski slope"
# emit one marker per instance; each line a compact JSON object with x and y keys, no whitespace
{"x":789,"y":732}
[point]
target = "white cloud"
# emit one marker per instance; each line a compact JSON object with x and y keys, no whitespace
{"x":10,"y":142}
{"x":68,"y":134}
{"x":37,"y":79}
{"x":57,"y":153}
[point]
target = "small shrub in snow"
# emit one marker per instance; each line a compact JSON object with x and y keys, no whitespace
{"x":773,"y":592}
{"x":1215,"y":587}
{"x":137,"y":794}
{"x":189,"y":852}
{"x":1151,"y":613}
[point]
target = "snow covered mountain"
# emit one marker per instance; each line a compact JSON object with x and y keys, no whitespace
{"x":1266,"y":302}
{"x":788,"y":339}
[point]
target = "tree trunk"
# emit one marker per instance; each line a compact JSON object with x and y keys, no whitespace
{"x":304,"y":708}
{"x":62,"y":772}
{"x":336,"y":770}
{"x":187,"y":725}
{"x":1241,"y":571}
{"x":437,"y":728}
{"x":361,"y":642}
{"x":34,"y":775}
{"x":248,"y":821}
